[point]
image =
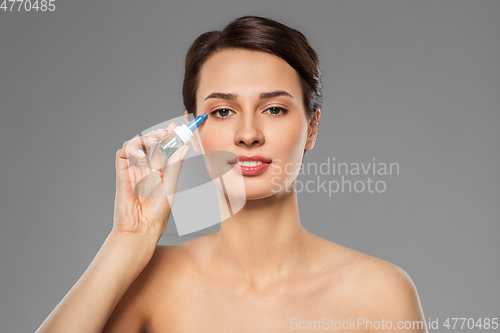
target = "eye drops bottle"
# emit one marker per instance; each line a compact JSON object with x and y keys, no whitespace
{"x":181,"y":136}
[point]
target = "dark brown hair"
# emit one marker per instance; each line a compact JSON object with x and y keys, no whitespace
{"x":258,"y":34}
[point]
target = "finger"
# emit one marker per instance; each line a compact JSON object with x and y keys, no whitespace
{"x":158,"y":159}
{"x":172,"y":171}
{"x":135,"y":163}
{"x":138,"y":148}
{"x":141,"y":143}
{"x":136,"y":152}
{"x":149,"y":177}
{"x":162,"y":133}
{"x":147,"y":186}
{"x":123,"y":178}
{"x":171,"y":127}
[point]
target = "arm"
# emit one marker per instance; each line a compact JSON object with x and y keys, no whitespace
{"x":88,"y":305}
{"x":142,"y":207}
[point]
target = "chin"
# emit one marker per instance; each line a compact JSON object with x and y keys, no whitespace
{"x":258,"y":194}
{"x":256,"y":190}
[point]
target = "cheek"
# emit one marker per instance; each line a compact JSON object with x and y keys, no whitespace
{"x":292,"y":142}
{"x":214,"y":139}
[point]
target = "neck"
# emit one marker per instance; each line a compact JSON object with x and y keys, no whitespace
{"x":264,"y":240}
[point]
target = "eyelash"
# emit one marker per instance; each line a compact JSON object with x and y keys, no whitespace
{"x":284,"y":111}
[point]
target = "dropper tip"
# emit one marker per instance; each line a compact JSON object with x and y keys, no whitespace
{"x":197,"y":122}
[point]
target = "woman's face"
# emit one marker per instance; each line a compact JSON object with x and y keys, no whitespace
{"x":243,"y":122}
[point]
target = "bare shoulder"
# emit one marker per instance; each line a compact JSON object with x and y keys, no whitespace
{"x":364,"y":271}
{"x":168,"y":272}
{"x":372,"y":287}
{"x":376,"y":276}
{"x":175,"y":267}
{"x":135,"y":308}
{"x":170,"y":264}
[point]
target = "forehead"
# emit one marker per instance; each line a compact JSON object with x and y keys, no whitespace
{"x":247,"y":72}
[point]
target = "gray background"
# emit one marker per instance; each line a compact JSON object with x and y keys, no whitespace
{"x":412,"y":82}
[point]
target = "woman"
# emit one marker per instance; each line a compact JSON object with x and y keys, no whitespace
{"x":259,"y":82}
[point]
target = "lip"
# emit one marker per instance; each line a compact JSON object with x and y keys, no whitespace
{"x":253,"y":170}
{"x":250,"y":158}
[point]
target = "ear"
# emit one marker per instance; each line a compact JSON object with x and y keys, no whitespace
{"x":313,"y":130}
{"x":194,"y":140}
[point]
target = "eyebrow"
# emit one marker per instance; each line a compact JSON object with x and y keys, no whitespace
{"x":264,"y":95}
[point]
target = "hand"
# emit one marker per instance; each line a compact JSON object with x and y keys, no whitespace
{"x":145,"y":193}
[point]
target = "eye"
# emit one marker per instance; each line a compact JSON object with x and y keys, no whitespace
{"x":276,"y":111}
{"x":222,"y":113}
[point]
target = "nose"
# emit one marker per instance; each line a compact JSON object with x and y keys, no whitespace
{"x":248,"y":132}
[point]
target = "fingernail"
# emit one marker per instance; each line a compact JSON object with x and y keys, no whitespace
{"x":141,"y":153}
{"x":152,"y":138}
{"x":184,"y":152}
{"x":161,"y":129}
